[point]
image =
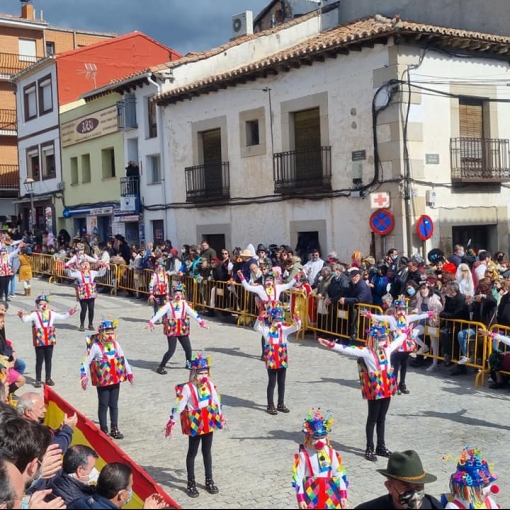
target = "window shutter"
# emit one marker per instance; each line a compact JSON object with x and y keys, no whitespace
{"x":307,"y":129}
{"x":471,"y":119}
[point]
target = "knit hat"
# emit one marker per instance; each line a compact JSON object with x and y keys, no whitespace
{"x":472,"y":469}
{"x":199,"y":361}
{"x":317,"y":424}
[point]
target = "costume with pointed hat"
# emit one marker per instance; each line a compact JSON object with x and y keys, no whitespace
{"x":44,"y":335}
{"x":399,"y":323}
{"x":107,"y":367}
{"x":275,"y":334}
{"x":472,"y":484}
{"x":159,"y":286}
{"x":86,"y":291}
{"x":176,"y":324}
{"x":319,"y":478}
{"x":377,"y":380}
{"x":198,"y":406}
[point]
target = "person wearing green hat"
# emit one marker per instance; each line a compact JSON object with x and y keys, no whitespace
{"x":405,"y":482}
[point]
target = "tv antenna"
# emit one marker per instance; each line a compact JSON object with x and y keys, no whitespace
{"x":90,"y":72}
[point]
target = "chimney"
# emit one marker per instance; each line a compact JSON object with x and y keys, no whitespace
{"x":27,"y":11}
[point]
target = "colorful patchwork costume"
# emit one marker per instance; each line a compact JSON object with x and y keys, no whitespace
{"x":319,"y":478}
{"x":198,"y":405}
{"x":159,"y":286}
{"x":44,"y":335}
{"x":107,"y":367}
{"x":472,"y":484}
{"x":377,"y":380}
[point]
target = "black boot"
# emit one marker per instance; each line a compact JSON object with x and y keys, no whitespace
{"x":192,"y":489}
{"x":282,"y":408}
{"x":370,"y":455}
{"x":210,"y":486}
{"x":116,"y":433}
{"x":403,"y":389}
{"x":382,"y":451}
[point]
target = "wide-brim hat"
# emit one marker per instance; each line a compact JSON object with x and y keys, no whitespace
{"x":246,"y":253}
{"x":407,"y":467}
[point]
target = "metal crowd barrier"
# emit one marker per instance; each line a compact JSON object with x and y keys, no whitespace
{"x":491,"y":345}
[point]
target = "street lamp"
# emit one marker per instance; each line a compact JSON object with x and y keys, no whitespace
{"x":29,"y":186}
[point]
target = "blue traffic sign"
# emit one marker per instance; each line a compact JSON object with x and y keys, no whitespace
{"x":425,"y":227}
{"x":382,"y":222}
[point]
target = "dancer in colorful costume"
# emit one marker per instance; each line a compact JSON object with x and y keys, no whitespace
{"x":198,"y":405}
{"x":86,"y":291}
{"x":107,"y":367}
{"x":399,"y":323}
{"x":176,"y":325}
{"x":275,"y":352}
{"x":79,"y":257}
{"x":159,"y":286}
{"x":471,"y":485}
{"x":44,"y":335}
{"x":6,"y":269}
{"x":377,"y":379}
{"x":319,"y":478}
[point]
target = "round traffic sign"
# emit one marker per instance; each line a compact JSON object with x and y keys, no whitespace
{"x":425,"y":227}
{"x":382,"y":222}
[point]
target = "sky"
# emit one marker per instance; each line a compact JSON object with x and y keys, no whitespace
{"x":193,"y":25}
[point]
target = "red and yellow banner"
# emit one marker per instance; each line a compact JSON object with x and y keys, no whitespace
{"x":88,"y":434}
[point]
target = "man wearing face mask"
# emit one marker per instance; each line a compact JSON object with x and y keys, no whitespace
{"x":79,"y":474}
{"x":405,"y":482}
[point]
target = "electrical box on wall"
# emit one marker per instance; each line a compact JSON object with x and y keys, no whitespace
{"x":431,"y":198}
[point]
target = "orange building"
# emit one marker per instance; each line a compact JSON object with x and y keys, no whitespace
{"x":25,"y":39}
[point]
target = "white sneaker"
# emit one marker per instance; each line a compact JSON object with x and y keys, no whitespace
{"x":423,"y":350}
{"x":463,"y":360}
{"x":432,"y":368}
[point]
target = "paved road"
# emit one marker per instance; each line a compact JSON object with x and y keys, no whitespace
{"x":253,"y":459}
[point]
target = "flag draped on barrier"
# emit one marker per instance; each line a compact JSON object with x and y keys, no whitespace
{"x":88,"y":434}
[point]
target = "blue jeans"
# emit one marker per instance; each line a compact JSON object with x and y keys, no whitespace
{"x":20,"y":366}
{"x":463,"y":336}
{"x":12,"y":285}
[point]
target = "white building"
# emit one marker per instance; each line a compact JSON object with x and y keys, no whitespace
{"x":281,"y":148}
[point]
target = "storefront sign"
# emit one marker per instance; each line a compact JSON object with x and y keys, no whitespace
{"x":101,"y":210}
{"x":90,"y":126}
{"x":133,"y":217}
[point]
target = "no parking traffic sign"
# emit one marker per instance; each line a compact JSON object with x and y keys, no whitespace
{"x":425,"y":227}
{"x":382,"y":222}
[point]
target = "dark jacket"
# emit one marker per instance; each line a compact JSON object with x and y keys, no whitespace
{"x":455,"y":308}
{"x":95,"y":502}
{"x":62,"y":437}
{"x":220,"y":273}
{"x":358,"y":293}
{"x":208,"y":254}
{"x":504,"y":310}
{"x":5,"y":348}
{"x":485,"y":311}
{"x":70,"y":489}
{"x":387,"y":502}
{"x":338,"y":287}
{"x":414,"y":276}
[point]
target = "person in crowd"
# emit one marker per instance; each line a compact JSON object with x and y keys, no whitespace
{"x":501,"y":263}
{"x":405,"y":483}
{"x":498,"y":360}
{"x":198,"y":406}
{"x":411,"y":290}
{"x":339,"y":285}
{"x":503,"y":316}
{"x":79,"y":257}
{"x":313,"y":267}
{"x":321,"y":292}
{"x":44,"y":335}
{"x":86,"y":291}
{"x":481,"y":265}
{"x":25,"y":270}
{"x":31,"y":407}
{"x":377,"y":379}
{"x":176,"y":322}
{"x":12,"y":488}
{"x":6,"y":268}
{"x":458,"y":256}
{"x":472,"y":484}
{"x":414,"y":266}
{"x":79,"y":474}
{"x":107,"y":366}
{"x":15,"y":265}
{"x":159,"y":286}
{"x":498,"y":288}
{"x":318,"y":476}
{"x":173,"y":262}
{"x":378,"y":284}
{"x":207,"y":252}
{"x":275,"y":333}
{"x":262,"y":254}
{"x":390,"y":258}
{"x":464,"y":278}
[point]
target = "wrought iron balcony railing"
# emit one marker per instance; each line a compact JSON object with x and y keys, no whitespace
{"x":8,"y":120}
{"x":12,"y":63}
{"x":9,"y":177}
{"x":210,"y":181}
{"x":129,"y":186}
{"x":480,"y":160}
{"x":302,"y":170}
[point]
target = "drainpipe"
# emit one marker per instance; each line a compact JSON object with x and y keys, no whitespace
{"x":162,"y":153}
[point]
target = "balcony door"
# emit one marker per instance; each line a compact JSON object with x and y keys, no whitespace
{"x":471,"y":134}
{"x":211,"y":143}
{"x":307,"y":144}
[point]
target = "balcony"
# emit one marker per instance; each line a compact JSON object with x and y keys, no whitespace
{"x":129,"y":186}
{"x":9,"y":177}
{"x":126,"y":113}
{"x":8,"y":121}
{"x":482,"y":160}
{"x":12,"y":63}
{"x":208,"y":182}
{"x":302,"y":170}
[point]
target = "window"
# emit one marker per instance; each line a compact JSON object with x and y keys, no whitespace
{"x":85,"y":168}
{"x":74,"y":171}
{"x":126,"y":112}
{"x":27,"y":50}
{"x":30,"y":101}
{"x":158,"y":232}
{"x":45,"y":95}
{"x":154,"y":169}
{"x":50,"y":48}
{"x":152,"y":120}
{"x":252,"y":132}
{"x":471,"y":117}
{"x":33,"y":169}
{"x":48,"y":161}
{"x":108,"y":163}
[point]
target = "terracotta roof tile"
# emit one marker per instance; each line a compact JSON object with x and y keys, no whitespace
{"x":342,"y":36}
